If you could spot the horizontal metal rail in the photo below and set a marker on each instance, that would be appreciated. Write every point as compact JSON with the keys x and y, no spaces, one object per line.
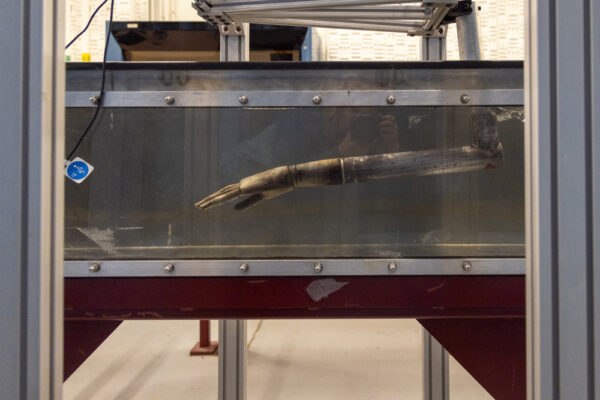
{"x":379,"y":25}
{"x":278,"y":99}
{"x":317,"y":267}
{"x":270,"y":5}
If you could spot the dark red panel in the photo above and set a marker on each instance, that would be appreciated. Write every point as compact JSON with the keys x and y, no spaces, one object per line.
{"x":491,"y":349}
{"x":294,"y":297}
{"x":81,"y":338}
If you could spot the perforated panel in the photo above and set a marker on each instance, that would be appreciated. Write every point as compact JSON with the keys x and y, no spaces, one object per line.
{"x":92,"y":42}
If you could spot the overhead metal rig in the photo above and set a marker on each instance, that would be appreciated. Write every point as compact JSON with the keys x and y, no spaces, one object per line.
{"x":414,"y":18}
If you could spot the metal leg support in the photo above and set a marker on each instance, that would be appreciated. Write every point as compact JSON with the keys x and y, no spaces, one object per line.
{"x":467,"y":30}
{"x":435,"y":357}
{"x":235,"y":42}
{"x":435,"y":369}
{"x":204,"y":346}
{"x":232,"y":360}
{"x":433,"y":48}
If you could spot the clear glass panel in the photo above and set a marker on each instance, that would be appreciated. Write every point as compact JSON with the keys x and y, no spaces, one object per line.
{"x":152,"y":165}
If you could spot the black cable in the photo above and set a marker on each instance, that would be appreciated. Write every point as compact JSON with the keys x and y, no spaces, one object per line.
{"x":87,"y":26}
{"x":101,"y":95}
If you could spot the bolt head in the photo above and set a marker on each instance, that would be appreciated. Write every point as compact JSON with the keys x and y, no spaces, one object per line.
{"x":317,"y":100}
{"x":466,"y":266}
{"x":244,"y":267}
{"x":170,"y":100}
{"x":94,"y":267}
{"x":318,"y":267}
{"x":392,"y":266}
{"x":169,"y":267}
{"x":94,"y":100}
{"x":465,"y":98}
{"x":243,"y":99}
{"x":391,"y":99}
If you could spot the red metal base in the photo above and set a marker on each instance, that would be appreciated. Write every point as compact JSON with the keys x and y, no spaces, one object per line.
{"x":81,"y":338}
{"x":198,"y":350}
{"x":491,"y":349}
{"x":204,"y":346}
{"x":478,"y":319}
{"x":290,"y":297}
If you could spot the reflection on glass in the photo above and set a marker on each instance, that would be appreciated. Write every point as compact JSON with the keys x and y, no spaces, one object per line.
{"x":152,"y":165}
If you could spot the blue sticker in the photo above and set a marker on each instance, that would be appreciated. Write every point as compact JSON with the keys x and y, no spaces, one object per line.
{"x":77,"y":170}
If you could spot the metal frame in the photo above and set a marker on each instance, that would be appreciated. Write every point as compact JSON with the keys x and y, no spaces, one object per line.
{"x":467,"y":31}
{"x":271,"y":98}
{"x":328,"y":267}
{"x":436,"y":373}
{"x":436,"y":369}
{"x":433,"y":48}
{"x":563,"y":199}
{"x":408,"y":16}
{"x":31,"y":202}
{"x":234,"y":42}
{"x":232,"y":359}
{"x":233,"y":348}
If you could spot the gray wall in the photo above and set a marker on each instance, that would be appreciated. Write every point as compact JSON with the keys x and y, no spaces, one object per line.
{"x":563,"y":199}
{"x":31,"y":191}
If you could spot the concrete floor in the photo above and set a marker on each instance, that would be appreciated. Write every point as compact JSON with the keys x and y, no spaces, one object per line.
{"x":287,"y":359}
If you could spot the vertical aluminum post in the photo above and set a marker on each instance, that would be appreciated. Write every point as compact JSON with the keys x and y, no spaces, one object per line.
{"x":433,"y":48}
{"x":467,"y":30}
{"x":435,"y":357}
{"x":31,"y":200}
{"x":436,"y":385}
{"x":235,"y":42}
{"x":232,"y":360}
{"x":562,"y":150}
{"x":232,"y":333}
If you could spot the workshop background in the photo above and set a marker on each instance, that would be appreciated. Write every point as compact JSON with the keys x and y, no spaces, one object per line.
{"x":498,"y":42}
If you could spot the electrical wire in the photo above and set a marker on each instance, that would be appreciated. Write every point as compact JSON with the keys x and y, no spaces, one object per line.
{"x":88,"y":24}
{"x":101,"y":95}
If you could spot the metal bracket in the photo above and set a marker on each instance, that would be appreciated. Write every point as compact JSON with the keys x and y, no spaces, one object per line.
{"x":440,"y":32}
{"x":232,"y":29}
{"x":204,"y":9}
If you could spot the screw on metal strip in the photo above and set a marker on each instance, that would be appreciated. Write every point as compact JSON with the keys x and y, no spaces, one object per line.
{"x":169,"y":267}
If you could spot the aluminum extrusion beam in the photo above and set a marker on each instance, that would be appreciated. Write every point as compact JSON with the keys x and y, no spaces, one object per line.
{"x":31,"y":201}
{"x":436,"y":369}
{"x":232,"y":359}
{"x":562,"y":166}
{"x":232,"y":333}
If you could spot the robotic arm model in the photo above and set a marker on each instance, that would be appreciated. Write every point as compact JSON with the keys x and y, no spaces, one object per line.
{"x":484,"y":152}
